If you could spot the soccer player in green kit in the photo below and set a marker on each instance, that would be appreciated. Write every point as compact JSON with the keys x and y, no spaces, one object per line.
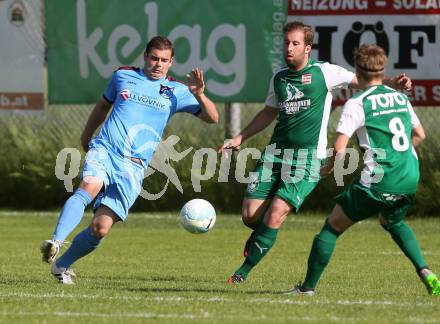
{"x":387,"y":130}
{"x":300,"y":98}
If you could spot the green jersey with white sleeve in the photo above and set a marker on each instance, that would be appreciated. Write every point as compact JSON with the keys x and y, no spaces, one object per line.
{"x":383,"y":119}
{"x":304,"y":99}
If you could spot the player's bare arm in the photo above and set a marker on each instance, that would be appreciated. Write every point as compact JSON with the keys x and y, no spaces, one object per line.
{"x":339,"y":147}
{"x":196,"y":85}
{"x":260,"y":122}
{"x":418,"y":135}
{"x":96,"y":118}
{"x":400,"y":82}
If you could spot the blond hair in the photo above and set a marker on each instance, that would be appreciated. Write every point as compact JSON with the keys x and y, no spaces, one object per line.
{"x":370,"y":61}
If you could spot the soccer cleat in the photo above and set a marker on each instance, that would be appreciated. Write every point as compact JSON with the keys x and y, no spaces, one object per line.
{"x":63,"y":275}
{"x":235,"y":279}
{"x":248,"y":244}
{"x":49,"y":250}
{"x":432,"y":283}
{"x":299,"y":290}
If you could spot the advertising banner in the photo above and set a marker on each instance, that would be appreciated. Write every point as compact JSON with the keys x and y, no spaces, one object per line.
{"x":408,"y":30}
{"x":21,"y":56}
{"x":237,"y":44}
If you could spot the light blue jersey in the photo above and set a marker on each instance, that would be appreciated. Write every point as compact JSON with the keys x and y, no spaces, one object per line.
{"x":141,"y":110}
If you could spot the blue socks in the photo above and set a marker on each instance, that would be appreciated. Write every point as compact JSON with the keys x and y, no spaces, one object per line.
{"x":84,"y":243}
{"x":71,"y":214}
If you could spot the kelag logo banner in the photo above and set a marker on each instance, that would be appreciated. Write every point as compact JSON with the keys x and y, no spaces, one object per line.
{"x":237,"y":44}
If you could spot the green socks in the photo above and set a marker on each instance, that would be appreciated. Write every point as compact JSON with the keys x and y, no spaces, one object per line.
{"x":320,"y":254}
{"x":404,"y":237}
{"x":324,"y":244}
{"x":261,"y":243}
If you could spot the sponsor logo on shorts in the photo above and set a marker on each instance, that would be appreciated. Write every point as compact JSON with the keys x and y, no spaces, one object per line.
{"x":253,"y":183}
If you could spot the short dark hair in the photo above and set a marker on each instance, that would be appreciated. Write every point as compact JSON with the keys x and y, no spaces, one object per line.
{"x":161,"y":43}
{"x":298,"y":25}
{"x":370,"y":61}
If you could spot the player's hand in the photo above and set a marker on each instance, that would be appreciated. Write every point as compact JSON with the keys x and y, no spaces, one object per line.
{"x":325,"y":170}
{"x":195,"y":82}
{"x":403,"y":82}
{"x":230,"y":144}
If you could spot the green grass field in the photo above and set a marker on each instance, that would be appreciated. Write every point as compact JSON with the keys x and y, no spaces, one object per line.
{"x":150,"y":269}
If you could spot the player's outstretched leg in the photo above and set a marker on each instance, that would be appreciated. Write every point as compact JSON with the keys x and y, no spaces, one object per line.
{"x":252,"y":216}
{"x":322,"y":250}
{"x":264,"y":237}
{"x":262,"y":241}
{"x":431,"y":281}
{"x":83,"y":243}
{"x":405,"y":238}
{"x":320,"y":254}
{"x":70,"y":217}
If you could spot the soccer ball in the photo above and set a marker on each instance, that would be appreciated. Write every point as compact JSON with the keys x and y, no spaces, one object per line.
{"x":197,"y":216}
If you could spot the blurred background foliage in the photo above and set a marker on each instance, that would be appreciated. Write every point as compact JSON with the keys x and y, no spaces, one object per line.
{"x":31,"y":142}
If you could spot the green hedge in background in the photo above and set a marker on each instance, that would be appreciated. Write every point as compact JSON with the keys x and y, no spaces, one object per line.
{"x":30,"y":146}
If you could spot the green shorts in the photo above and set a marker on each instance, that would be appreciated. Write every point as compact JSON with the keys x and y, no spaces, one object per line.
{"x":293,"y":184}
{"x":359,"y":202}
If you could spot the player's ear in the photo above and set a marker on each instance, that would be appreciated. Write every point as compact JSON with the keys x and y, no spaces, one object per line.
{"x":308,"y":49}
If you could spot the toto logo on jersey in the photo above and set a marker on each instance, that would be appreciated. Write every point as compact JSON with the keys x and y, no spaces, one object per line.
{"x":125,"y":94}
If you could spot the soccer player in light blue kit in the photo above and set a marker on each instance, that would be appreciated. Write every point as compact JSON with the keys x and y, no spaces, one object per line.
{"x":143,"y":101}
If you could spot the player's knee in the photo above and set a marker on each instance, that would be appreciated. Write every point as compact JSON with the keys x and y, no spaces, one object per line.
{"x":275,"y":219}
{"x":276,"y":215}
{"x":100,"y":231}
{"x":246,"y":217}
{"x":92,"y":186}
{"x":249,"y":215}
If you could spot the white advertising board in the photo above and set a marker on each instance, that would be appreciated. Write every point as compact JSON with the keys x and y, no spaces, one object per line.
{"x":21,"y":55}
